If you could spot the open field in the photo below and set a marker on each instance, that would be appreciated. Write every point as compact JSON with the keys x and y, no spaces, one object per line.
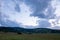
{"x":15,"y":36}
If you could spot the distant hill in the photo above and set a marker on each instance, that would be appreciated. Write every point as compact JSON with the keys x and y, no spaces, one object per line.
{"x":28,"y":31}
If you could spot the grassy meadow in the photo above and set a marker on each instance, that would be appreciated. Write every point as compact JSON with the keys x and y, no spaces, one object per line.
{"x":15,"y":36}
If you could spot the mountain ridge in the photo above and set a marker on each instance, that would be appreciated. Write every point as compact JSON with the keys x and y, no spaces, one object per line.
{"x":28,"y":31}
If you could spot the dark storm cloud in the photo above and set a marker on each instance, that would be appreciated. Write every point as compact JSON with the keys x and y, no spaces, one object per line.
{"x":17,"y":8}
{"x":44,"y":24}
{"x":39,"y":7}
{"x":8,"y":23}
{"x":50,"y":13}
{"x":17,"y":5}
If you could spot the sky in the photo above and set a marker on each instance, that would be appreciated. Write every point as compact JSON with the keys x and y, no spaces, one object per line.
{"x":30,"y":13}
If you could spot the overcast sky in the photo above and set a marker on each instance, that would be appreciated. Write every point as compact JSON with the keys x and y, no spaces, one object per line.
{"x":30,"y":13}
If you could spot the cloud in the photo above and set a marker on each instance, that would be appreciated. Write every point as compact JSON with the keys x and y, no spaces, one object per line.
{"x":38,"y":6}
{"x":30,"y":13}
{"x":43,"y":23}
{"x":56,"y":27}
{"x":23,"y":17}
{"x":0,"y":25}
{"x":50,"y":12}
{"x":56,"y":21}
{"x":8,"y":23}
{"x":17,"y":8}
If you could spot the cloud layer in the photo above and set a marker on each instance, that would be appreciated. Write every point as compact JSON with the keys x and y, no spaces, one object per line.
{"x":30,"y":13}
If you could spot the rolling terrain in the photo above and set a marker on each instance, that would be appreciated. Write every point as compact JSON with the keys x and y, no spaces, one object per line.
{"x":16,"y":33}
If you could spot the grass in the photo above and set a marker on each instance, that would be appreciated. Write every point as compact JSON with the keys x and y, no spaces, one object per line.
{"x":14,"y":36}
